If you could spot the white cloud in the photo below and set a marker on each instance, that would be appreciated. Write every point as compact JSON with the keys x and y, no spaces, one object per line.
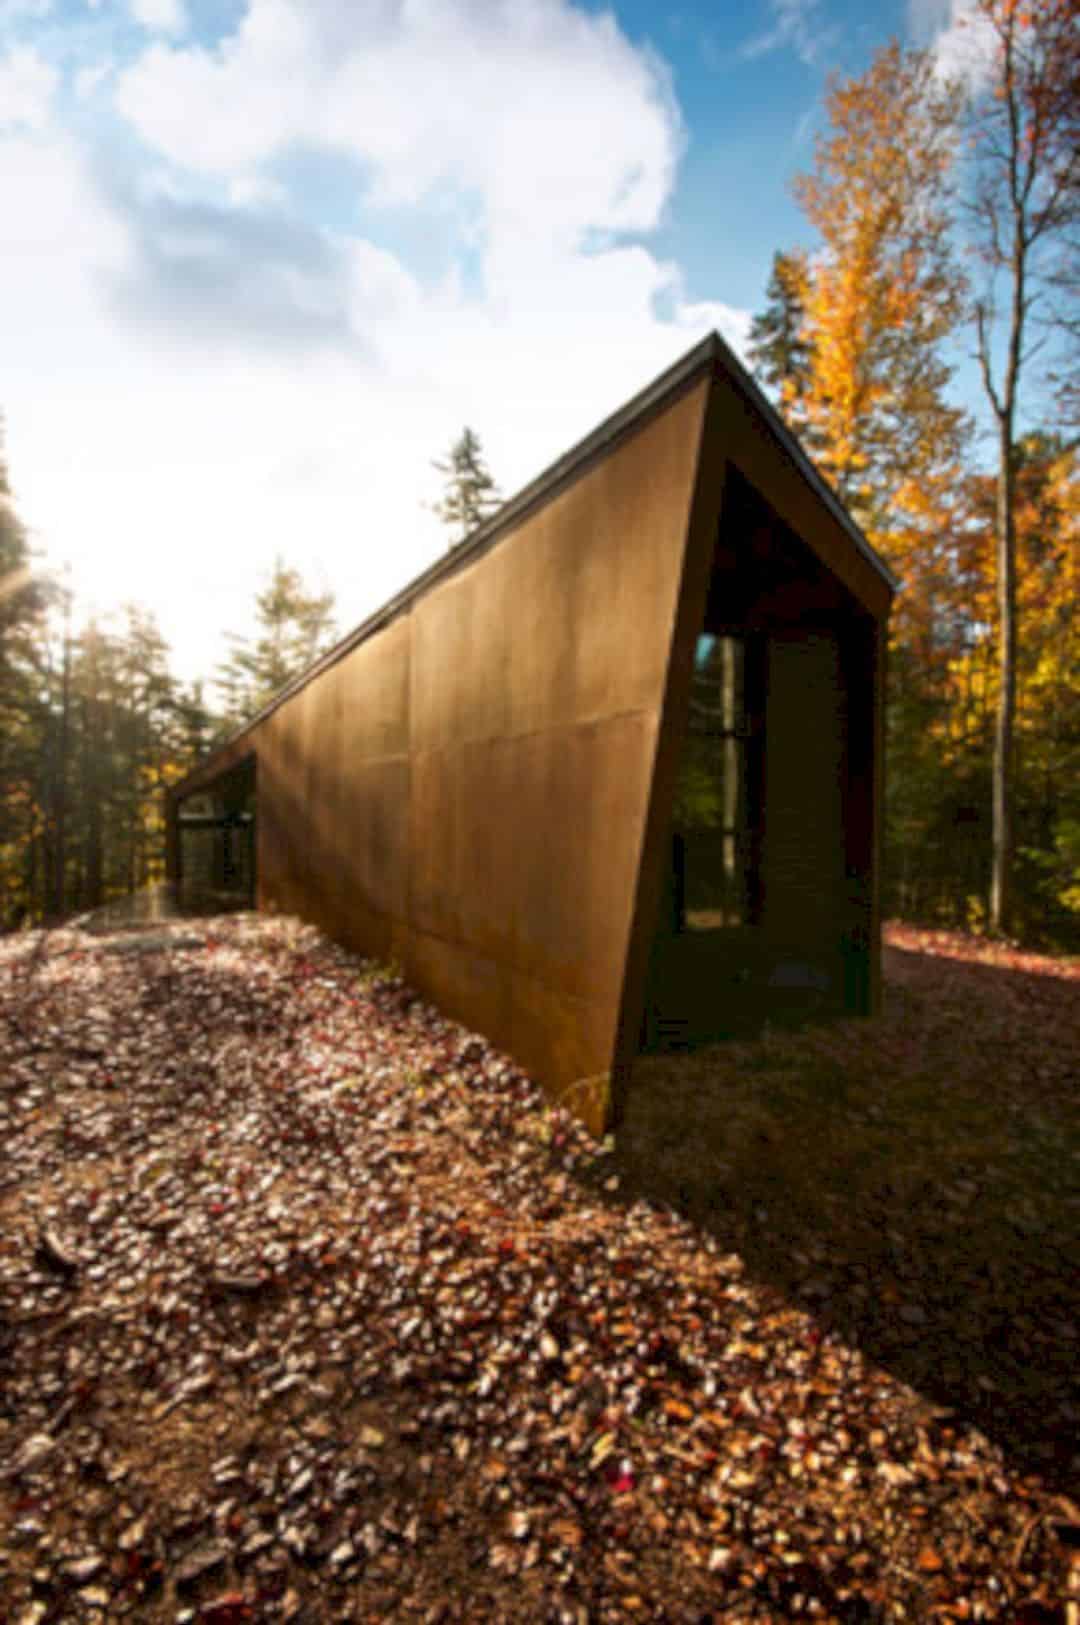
{"x":255,"y":191}
{"x":547,"y":114}
{"x":961,"y":40}
{"x":88,"y":79}
{"x":160,"y":16}
{"x":18,"y":10}
{"x":798,"y":26}
{"x":732,"y":324}
{"x":27,"y":87}
{"x":200,"y":373}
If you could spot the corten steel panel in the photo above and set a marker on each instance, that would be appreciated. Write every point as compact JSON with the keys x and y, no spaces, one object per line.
{"x":280,"y":814}
{"x":489,"y":844}
{"x":332,"y":801}
{"x":600,"y":575}
{"x":371,"y":847}
{"x":298,"y":897}
{"x":318,"y":725}
{"x":375,"y":693}
{"x":469,"y":985}
{"x":370,"y":856}
{"x":566,"y":1041}
{"x":529,"y":846}
{"x":461,"y":634}
{"x":436,"y":809}
{"x":572,"y":889}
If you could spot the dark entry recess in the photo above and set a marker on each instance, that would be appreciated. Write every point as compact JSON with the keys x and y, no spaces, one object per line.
{"x":764,"y":913}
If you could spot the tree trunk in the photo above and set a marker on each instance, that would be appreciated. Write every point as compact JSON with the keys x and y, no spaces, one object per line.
{"x":1001,"y":867}
{"x":58,"y":889}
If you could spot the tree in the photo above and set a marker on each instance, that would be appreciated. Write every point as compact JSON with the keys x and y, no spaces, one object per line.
{"x":25,"y":595}
{"x":1046,"y":816}
{"x":294,"y":625}
{"x":1025,"y":125}
{"x":90,"y":732}
{"x":779,"y":344}
{"x":470,"y":495}
{"x":882,"y":295}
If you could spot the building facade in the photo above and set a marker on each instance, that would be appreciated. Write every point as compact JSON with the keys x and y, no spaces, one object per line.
{"x":608,"y":774}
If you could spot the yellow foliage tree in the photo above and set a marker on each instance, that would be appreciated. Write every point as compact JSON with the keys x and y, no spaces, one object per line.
{"x":882,"y":294}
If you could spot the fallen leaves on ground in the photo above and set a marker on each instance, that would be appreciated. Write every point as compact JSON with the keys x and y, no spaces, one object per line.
{"x":311,"y":1309}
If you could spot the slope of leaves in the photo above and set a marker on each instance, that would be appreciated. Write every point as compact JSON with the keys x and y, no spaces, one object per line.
{"x":311,"y":1309}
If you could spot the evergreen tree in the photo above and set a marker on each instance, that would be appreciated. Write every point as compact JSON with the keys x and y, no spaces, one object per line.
{"x":195,"y":724}
{"x":779,"y":344}
{"x":92,"y":729}
{"x":471,"y":495}
{"x":294,"y":626}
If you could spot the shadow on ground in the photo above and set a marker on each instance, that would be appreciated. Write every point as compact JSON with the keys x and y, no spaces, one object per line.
{"x":915,"y":1180}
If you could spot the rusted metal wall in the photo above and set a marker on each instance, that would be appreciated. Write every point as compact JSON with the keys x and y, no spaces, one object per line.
{"x":466,"y":789}
{"x":479,"y":786}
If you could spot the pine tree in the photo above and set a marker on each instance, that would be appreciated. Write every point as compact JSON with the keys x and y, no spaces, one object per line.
{"x":194,"y":722}
{"x":294,"y":627}
{"x":779,"y":344}
{"x":470,"y":495}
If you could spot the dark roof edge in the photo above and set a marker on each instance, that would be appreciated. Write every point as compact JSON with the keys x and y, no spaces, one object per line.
{"x":676,"y":378}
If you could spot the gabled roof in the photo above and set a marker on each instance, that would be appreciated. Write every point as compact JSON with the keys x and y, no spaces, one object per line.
{"x":710,"y":353}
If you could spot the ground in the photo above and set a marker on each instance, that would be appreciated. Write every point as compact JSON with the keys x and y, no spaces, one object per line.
{"x":310,"y":1309}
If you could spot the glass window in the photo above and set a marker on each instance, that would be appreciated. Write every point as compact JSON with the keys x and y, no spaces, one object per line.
{"x":710,"y":823}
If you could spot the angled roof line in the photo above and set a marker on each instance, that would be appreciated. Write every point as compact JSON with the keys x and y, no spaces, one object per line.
{"x":697,"y":361}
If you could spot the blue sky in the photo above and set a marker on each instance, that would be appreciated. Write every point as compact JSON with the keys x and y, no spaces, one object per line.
{"x":260,"y":261}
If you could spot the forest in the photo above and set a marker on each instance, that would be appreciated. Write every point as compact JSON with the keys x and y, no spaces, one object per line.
{"x":940,"y":225}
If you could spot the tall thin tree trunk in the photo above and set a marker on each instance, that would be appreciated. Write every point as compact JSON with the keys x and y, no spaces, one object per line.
{"x":59,"y":892}
{"x":1001,"y":869}
{"x":1002,"y":789}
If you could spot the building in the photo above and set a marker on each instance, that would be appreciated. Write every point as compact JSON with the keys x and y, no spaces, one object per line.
{"x":608,"y":775}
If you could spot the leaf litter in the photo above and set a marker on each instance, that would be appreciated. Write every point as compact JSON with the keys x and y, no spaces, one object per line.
{"x":311,"y":1308}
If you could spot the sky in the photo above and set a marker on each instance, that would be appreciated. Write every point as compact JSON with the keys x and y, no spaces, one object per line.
{"x":261,"y":260}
